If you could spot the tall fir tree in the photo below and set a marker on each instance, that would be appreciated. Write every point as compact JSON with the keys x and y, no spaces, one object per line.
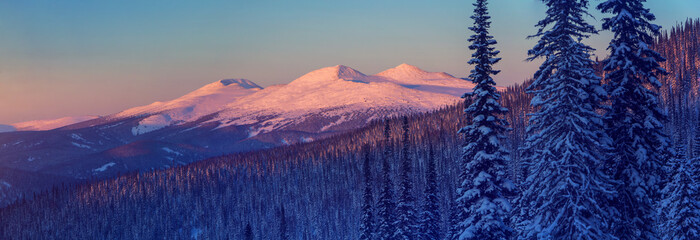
{"x":387,"y":206}
{"x":406,"y":225}
{"x":566,"y":192}
{"x":681,"y":206}
{"x":367,"y":227}
{"x":635,"y":119}
{"x":484,"y":184}
{"x":430,"y":217}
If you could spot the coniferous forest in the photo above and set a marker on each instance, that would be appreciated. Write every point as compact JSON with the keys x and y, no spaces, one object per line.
{"x":585,"y":149}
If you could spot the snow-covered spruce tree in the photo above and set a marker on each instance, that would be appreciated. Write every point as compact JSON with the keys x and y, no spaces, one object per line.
{"x":387,"y":206}
{"x":635,"y":120}
{"x":484,"y":184}
{"x":566,"y":191}
{"x":430,"y":217}
{"x":407,"y":224}
{"x":367,"y":222}
{"x":680,"y":205}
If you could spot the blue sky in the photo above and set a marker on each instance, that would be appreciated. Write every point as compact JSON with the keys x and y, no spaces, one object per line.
{"x":69,"y":57}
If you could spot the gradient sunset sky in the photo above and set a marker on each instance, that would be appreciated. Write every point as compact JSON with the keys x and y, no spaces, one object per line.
{"x":77,"y":57}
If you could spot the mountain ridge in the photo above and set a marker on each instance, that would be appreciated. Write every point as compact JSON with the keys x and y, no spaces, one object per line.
{"x":225,"y":116}
{"x":403,"y":74}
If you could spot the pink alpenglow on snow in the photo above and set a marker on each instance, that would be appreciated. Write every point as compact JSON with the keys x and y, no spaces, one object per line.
{"x":50,"y":124}
{"x":343,"y":91}
{"x":332,"y":91}
{"x":194,"y":105}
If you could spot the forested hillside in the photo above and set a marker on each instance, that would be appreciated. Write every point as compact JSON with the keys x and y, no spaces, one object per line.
{"x":318,"y":183}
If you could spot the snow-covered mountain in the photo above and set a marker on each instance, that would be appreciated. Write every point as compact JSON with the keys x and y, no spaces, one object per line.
{"x":229,"y":115}
{"x":194,"y":105}
{"x":341,"y":94}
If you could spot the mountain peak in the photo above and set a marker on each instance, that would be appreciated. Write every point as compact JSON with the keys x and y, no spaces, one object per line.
{"x":329,"y":74}
{"x":232,"y":84}
{"x":344,"y":72}
{"x":402,"y":70}
{"x":406,"y":71}
{"x":244,"y":83}
{"x":195,"y":104}
{"x":407,"y":67}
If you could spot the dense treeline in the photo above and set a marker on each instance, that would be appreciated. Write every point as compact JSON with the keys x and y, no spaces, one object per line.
{"x":518,"y":103}
{"x":680,"y":89}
